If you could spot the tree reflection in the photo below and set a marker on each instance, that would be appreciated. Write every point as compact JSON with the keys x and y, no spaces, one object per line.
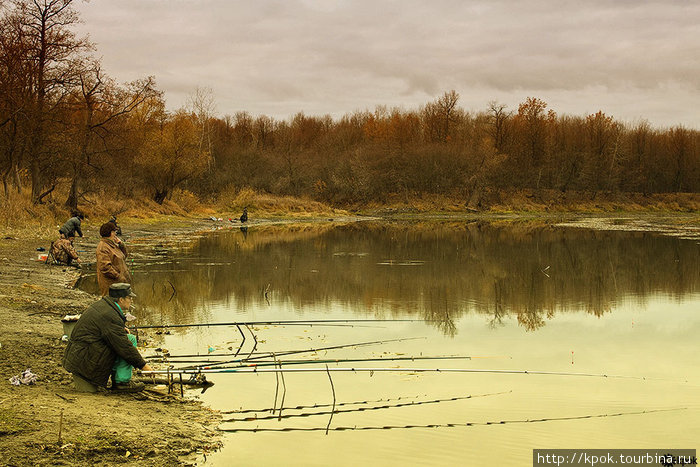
{"x":435,"y":271}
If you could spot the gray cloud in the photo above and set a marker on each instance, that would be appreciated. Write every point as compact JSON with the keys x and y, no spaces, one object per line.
{"x":280,"y":57}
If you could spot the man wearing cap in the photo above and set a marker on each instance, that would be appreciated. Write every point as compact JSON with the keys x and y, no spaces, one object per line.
{"x":100,"y":346}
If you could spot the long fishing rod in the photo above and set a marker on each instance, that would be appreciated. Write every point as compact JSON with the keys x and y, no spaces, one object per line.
{"x":204,"y":363}
{"x":204,"y":325}
{"x":295,"y":352}
{"x":191,"y":358}
{"x":316,"y":406}
{"x":448,"y":425}
{"x":263,"y":363}
{"x":384,"y":369}
{"x":362,"y":409}
{"x":310,"y":322}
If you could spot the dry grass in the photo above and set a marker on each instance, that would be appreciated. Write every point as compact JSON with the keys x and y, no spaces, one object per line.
{"x":19,"y":217}
{"x":262,"y":204}
{"x":22,"y":218}
{"x":539,"y":201}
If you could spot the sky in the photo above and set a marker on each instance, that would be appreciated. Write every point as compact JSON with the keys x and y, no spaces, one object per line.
{"x":633,"y":59}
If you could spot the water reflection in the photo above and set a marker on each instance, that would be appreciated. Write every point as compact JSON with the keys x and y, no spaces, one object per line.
{"x":433,"y":271}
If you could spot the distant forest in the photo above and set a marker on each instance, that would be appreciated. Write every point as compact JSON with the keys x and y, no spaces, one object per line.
{"x":65,"y":123}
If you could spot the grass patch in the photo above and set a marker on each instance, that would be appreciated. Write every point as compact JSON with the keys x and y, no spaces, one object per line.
{"x":10,"y":423}
{"x":263,"y":204}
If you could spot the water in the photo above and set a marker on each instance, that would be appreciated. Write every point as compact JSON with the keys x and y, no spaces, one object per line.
{"x":513,"y":296}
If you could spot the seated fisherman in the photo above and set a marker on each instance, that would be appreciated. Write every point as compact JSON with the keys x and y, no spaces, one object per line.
{"x":100,"y":346}
{"x":63,"y":251}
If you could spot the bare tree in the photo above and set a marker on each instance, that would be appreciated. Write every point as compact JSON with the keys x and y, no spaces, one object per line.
{"x":203,"y":105}
{"x":53,"y":52}
{"x":98,"y":104}
{"x":498,"y":118}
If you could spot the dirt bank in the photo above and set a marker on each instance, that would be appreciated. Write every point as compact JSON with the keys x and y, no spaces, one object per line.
{"x":96,"y":428}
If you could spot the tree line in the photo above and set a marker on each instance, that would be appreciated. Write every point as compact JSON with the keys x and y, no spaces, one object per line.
{"x":65,"y":123}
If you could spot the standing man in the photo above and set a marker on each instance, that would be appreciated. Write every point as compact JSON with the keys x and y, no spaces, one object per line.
{"x":100,"y":347}
{"x":72,"y":225}
{"x":111,"y":259}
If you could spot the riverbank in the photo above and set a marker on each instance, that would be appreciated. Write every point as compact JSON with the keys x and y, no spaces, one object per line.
{"x":23,"y":218}
{"x":49,"y":423}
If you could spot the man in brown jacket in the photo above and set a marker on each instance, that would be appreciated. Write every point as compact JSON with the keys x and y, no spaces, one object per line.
{"x":111,"y":259}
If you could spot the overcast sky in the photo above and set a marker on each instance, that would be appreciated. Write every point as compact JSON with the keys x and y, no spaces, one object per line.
{"x":633,"y":59}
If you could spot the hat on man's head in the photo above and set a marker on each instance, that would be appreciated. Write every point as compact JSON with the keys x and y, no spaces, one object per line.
{"x":107,"y":228}
{"x":120,"y":290}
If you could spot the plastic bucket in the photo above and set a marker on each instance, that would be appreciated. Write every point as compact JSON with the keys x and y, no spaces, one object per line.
{"x":68,"y":327}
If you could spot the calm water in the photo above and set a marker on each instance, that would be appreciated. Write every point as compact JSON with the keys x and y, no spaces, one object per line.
{"x":512,"y":296}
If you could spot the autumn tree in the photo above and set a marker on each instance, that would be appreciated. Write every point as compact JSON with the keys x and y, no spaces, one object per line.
{"x":533,"y":121}
{"x":499,"y":119}
{"x":640,"y":140}
{"x":95,"y":111}
{"x":171,"y":155}
{"x":683,"y":159}
{"x":14,"y":98}
{"x":438,"y":117}
{"x":603,"y":150}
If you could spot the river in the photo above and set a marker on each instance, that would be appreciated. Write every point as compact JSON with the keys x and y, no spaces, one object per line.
{"x":614,"y":313}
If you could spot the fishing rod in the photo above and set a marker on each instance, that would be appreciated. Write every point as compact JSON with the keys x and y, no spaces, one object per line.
{"x":384,"y":369}
{"x":187,"y":358}
{"x":282,"y":323}
{"x":449,"y":425}
{"x":295,"y":352}
{"x":361,"y":409}
{"x":177,"y":360}
{"x":204,"y":325}
{"x":316,"y":406}
{"x":262,"y":363}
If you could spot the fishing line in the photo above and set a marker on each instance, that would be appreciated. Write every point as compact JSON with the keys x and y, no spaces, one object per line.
{"x":294,"y":352}
{"x":283,"y":352}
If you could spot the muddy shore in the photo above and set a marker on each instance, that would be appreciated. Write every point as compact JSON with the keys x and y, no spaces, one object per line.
{"x":50,"y":423}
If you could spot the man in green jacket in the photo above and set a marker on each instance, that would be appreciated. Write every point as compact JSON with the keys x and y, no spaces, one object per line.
{"x":100,"y":347}
{"x":72,"y":225}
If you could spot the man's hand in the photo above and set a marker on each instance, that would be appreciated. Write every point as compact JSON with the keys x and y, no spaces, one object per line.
{"x":147,"y":367}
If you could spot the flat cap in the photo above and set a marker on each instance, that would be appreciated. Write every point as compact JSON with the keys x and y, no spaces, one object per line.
{"x":121,"y":289}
